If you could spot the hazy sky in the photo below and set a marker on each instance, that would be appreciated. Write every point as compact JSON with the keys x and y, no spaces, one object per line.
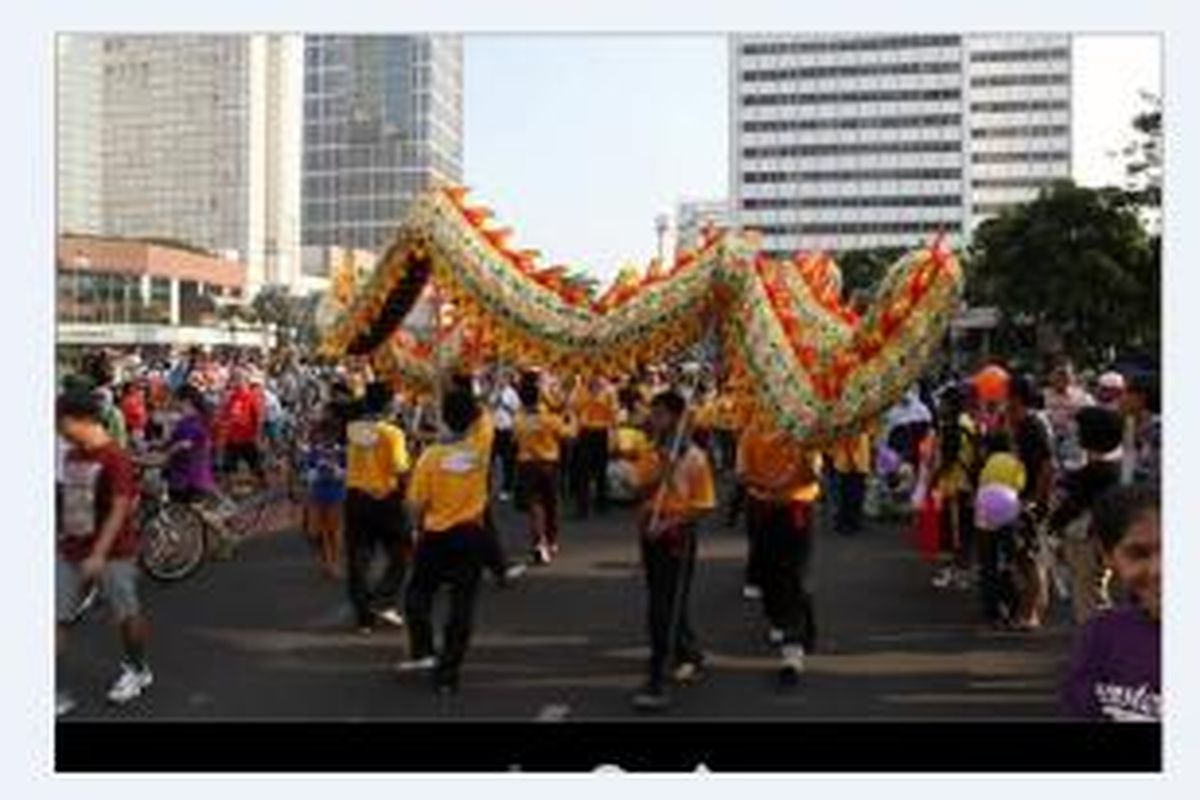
{"x":577,"y":142}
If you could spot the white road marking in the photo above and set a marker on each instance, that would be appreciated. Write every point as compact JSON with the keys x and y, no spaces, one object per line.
{"x":555,"y":712}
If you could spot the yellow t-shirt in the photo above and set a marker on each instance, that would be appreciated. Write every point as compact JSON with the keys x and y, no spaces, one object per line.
{"x":450,"y":482}
{"x":538,"y":435}
{"x":376,"y":456}
{"x":763,"y":456}
{"x":688,"y":492}
{"x":596,"y":410}
{"x":705,"y":415}
{"x":853,"y":455}
{"x":1005,"y":469}
{"x":956,"y":477}
{"x":482,"y":432}
{"x":630,"y":443}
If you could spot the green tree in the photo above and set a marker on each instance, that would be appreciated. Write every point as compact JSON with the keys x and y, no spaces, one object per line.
{"x":1143,"y":155}
{"x":862,"y":269}
{"x":1075,"y":266}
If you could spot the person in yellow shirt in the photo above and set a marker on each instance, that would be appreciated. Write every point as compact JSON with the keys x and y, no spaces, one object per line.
{"x":783,"y":484}
{"x":539,"y":433}
{"x":447,"y":498}
{"x":851,"y":461}
{"x":376,"y":463}
{"x":676,"y":482}
{"x":595,"y":407}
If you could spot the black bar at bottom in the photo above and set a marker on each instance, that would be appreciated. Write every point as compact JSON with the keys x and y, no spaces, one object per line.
{"x":574,"y":747}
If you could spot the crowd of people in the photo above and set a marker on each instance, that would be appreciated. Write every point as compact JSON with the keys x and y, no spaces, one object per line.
{"x":1016,"y":489}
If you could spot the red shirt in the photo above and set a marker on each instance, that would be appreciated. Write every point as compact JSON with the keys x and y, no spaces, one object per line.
{"x":91,"y":480}
{"x":241,"y":418}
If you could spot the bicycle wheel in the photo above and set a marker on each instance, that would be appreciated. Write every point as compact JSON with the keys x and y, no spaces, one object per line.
{"x":247,"y":516}
{"x":173,"y":543}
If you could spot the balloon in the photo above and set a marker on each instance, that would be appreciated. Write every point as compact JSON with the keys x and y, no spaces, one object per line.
{"x":887,"y":461}
{"x":991,"y":384}
{"x":996,"y":506}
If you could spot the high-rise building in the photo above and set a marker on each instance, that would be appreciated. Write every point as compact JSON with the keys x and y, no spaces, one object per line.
{"x":200,"y":143}
{"x":382,"y":123}
{"x":857,"y":141}
{"x":693,"y":216}
{"x":78,"y":90}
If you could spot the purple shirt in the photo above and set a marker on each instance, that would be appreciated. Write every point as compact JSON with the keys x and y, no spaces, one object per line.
{"x":1115,"y":671}
{"x":191,"y":469}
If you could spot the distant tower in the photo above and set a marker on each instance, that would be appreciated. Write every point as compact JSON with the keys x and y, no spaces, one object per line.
{"x":662,"y":224}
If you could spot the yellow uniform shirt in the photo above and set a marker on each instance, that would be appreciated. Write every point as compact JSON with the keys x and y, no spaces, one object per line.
{"x":482,"y":432}
{"x":853,"y":455}
{"x":376,"y":457}
{"x":688,"y":491}
{"x":596,"y":410}
{"x":763,"y":456}
{"x":705,"y":415}
{"x":538,"y":435}
{"x":450,"y":483}
{"x":630,"y":443}
{"x":1005,"y":469}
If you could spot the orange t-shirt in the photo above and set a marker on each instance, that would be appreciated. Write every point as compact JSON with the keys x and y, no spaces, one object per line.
{"x":763,"y":456}
{"x":538,"y":435}
{"x":689,"y":490}
{"x":596,"y":410}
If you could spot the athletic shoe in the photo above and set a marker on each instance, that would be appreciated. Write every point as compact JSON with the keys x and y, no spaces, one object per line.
{"x":63,"y":704}
{"x":651,"y":698}
{"x":688,"y":671}
{"x":751,"y":592}
{"x":391,"y":616}
{"x":540,"y":556}
{"x":130,"y":685}
{"x":505,"y":497}
{"x":793,"y":664}
{"x":775,"y":636}
{"x":941,"y":579}
{"x":514,"y":571}
{"x":417,"y":664}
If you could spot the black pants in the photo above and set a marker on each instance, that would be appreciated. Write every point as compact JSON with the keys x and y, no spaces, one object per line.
{"x":754,"y":536}
{"x":504,"y":449}
{"x":492,"y":554}
{"x":372,"y":523}
{"x":851,"y":491}
{"x":452,"y":557}
{"x":785,"y":549}
{"x":592,"y":469}
{"x":737,"y":503}
{"x":997,"y":591}
{"x":668,"y":563}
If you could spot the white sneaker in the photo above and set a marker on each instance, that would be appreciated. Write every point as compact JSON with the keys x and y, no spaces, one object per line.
{"x":417,"y":664}
{"x":793,"y":659}
{"x":775,"y":636}
{"x":941,"y":579}
{"x":391,"y":616}
{"x":505,"y":497}
{"x":130,"y":684}
{"x":63,"y":704}
{"x":514,"y":571}
{"x":750,"y":592}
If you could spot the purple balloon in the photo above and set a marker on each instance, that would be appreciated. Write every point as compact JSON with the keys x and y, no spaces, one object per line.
{"x":887,"y":461}
{"x":996,"y":506}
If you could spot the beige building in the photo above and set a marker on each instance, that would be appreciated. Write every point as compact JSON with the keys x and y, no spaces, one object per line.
{"x":199,"y":141}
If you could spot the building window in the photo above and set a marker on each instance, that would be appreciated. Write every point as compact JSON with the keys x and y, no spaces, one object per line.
{"x":1020,"y":157}
{"x":1020,"y":131}
{"x":1045,"y":54}
{"x":853,"y":175}
{"x":1010,"y":106}
{"x":855,"y":201}
{"x":845,"y":228}
{"x":851,"y":70}
{"x":787,"y":151}
{"x":875,"y":96}
{"x":843,"y":45}
{"x":853,"y":123}
{"x":1021,"y":80}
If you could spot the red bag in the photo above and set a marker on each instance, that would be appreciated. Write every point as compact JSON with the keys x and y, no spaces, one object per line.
{"x":927,"y":527}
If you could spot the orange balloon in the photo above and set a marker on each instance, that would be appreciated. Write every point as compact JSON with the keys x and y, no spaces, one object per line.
{"x":991,"y":383}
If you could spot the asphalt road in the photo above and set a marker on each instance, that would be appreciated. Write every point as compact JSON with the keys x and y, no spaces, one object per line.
{"x":266,"y":636}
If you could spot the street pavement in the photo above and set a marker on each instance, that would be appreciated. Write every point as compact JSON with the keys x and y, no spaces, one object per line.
{"x":266,"y":636}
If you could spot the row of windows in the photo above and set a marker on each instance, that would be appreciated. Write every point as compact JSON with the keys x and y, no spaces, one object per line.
{"x":844,"y":45}
{"x":856,"y":201}
{"x":877,"y":96}
{"x":1012,"y":183}
{"x":1040,"y":54}
{"x":867,"y":148}
{"x":991,"y":208}
{"x":854,"y":175}
{"x":916,"y":226}
{"x":1010,"y":158}
{"x":1006,"y":106}
{"x":850,"y":70}
{"x":853,"y":123}
{"x":1020,"y":131}
{"x":1021,"y":80}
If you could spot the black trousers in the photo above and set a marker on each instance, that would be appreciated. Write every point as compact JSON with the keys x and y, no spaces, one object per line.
{"x":452,"y":557}
{"x":504,"y":449}
{"x":591,"y":473}
{"x":374,"y":524}
{"x":754,"y":536}
{"x":997,"y":590}
{"x":492,"y":554}
{"x":785,"y":549}
{"x":668,"y":563}
{"x":851,"y":491}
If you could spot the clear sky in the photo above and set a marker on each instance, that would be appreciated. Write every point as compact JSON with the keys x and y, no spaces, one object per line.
{"x":578,"y":141}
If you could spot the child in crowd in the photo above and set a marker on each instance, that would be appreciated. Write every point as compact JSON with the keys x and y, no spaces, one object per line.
{"x":325,"y":466}
{"x":1003,"y":474}
{"x":1115,"y":668}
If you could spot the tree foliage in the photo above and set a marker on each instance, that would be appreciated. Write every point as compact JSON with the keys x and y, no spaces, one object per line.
{"x":1076,"y":266}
